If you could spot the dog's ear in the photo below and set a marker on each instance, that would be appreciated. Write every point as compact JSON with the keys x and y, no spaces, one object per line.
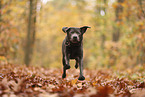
{"x":64,"y":29}
{"x":84,"y":28}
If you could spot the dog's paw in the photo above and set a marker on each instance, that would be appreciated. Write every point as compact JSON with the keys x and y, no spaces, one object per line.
{"x":67,"y":66}
{"x":76,"y":66}
{"x":81,"y":78}
{"x":63,"y":75}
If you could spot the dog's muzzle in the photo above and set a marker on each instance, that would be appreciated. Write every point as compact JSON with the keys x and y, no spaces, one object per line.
{"x":74,"y":39}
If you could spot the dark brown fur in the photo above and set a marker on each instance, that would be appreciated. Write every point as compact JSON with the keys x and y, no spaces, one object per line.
{"x":72,"y":48}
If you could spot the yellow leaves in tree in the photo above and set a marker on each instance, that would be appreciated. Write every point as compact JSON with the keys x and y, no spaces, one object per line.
{"x":115,"y":5}
{"x":3,"y":60}
{"x":119,"y":23}
{"x":140,"y":25}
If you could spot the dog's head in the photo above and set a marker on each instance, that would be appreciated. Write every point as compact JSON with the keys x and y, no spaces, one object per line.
{"x":74,"y":34}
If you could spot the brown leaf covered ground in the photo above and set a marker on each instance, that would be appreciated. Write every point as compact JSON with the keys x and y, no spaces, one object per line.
{"x":22,"y":81}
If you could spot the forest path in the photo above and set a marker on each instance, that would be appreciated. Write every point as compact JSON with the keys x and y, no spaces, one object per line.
{"x":19,"y":80}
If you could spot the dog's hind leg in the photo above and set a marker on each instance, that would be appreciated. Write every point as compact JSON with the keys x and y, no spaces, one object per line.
{"x":77,"y":63}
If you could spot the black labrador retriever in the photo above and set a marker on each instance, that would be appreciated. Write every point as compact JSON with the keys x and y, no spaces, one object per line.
{"x":72,"y":48}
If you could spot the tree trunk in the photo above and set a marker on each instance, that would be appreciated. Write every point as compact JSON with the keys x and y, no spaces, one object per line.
{"x":118,"y":13}
{"x":31,"y":32}
{"x":103,"y":37}
{"x":142,"y":7}
{"x":141,"y":41}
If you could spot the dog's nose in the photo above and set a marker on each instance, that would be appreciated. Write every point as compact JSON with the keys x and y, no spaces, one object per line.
{"x":75,"y":37}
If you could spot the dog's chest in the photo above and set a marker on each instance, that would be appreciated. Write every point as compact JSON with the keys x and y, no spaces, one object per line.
{"x":74,"y":51}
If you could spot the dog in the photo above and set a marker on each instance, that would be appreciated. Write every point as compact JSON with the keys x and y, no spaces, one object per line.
{"x":72,"y":48}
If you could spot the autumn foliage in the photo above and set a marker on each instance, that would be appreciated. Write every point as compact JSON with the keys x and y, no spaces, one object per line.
{"x":116,"y":38}
{"x":19,"y":80}
{"x":114,"y":48}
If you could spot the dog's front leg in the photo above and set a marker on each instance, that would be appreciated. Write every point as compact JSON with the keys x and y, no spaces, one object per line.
{"x":81,"y":77}
{"x":64,"y":69}
{"x":65,"y":65}
{"x":66,"y":58}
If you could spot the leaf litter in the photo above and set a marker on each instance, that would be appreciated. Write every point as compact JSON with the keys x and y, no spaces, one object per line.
{"x":22,"y":81}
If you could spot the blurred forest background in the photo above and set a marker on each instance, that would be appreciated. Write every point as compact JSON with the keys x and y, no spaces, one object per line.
{"x":30,"y":31}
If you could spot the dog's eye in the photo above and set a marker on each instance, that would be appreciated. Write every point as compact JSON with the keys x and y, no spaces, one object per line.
{"x":77,"y":32}
{"x":72,"y":32}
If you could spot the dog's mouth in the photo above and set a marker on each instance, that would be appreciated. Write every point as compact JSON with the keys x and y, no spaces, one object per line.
{"x":74,"y":40}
